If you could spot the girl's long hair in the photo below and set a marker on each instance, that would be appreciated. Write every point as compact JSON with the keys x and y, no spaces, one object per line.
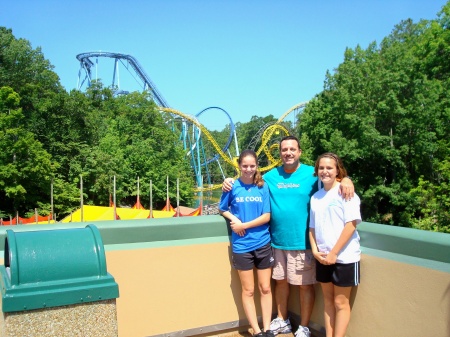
{"x":257,"y":178}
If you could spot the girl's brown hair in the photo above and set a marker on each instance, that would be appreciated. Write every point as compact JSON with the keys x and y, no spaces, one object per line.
{"x":257,"y":178}
{"x":341,"y":171}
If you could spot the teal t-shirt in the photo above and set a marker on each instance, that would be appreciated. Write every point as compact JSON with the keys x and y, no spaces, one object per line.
{"x":290,"y":195}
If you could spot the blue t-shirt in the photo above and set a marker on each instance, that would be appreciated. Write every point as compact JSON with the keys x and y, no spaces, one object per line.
{"x":290,"y":195}
{"x":247,"y":202}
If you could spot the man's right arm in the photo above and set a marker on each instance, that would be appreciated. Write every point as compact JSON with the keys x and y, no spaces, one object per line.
{"x":227,"y":184}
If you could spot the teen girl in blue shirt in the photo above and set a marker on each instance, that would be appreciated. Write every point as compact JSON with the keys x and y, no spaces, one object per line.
{"x":247,"y":207}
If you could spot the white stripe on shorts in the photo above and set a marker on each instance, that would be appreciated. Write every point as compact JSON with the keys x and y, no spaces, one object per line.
{"x":356,"y":273}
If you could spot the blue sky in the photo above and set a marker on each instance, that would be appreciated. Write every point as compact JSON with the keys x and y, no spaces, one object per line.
{"x":246,"y":57}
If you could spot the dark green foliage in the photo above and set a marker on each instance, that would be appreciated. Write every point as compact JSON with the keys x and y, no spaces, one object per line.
{"x":25,"y":167}
{"x":47,"y":133}
{"x":385,"y":111}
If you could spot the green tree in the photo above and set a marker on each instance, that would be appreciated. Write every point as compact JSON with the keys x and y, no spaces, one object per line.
{"x":28,"y":73}
{"x":130,"y":139}
{"x":43,"y":114}
{"x":385,"y":111}
{"x":25,"y":167}
{"x":430,"y":202}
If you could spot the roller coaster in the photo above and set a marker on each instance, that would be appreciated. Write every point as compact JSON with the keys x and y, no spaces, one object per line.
{"x":191,"y":132}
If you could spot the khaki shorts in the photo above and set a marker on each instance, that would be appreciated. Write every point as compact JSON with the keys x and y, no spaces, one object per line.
{"x":298,"y":267}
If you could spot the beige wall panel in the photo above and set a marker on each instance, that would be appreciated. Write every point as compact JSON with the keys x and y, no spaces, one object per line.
{"x":400,"y":300}
{"x":174,"y":288}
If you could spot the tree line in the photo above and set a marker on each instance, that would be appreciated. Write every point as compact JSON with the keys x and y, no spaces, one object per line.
{"x":48,"y":134}
{"x":385,"y":110}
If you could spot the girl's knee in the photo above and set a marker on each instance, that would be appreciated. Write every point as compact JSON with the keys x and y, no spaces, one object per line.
{"x":265,"y":290}
{"x":248,"y":292}
{"x":341,"y":303}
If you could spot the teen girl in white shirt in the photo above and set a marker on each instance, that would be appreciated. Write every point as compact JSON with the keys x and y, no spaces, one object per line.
{"x":334,"y":243}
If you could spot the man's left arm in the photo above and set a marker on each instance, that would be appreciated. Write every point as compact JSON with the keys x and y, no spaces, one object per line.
{"x":347,"y":189}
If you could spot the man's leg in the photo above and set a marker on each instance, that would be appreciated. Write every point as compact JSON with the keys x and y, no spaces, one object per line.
{"x":307,"y":298}
{"x":281,"y":298}
{"x":281,"y":323}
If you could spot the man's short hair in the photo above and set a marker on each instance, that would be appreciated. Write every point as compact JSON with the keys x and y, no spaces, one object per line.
{"x":290,"y":137}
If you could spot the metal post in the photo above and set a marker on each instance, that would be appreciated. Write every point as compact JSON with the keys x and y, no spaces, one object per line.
{"x":51,"y":200}
{"x":81,"y":199}
{"x":178,"y":196}
{"x":138,"y":201}
{"x":167,"y":195}
{"x":151,"y":200}
{"x":114,"y":199}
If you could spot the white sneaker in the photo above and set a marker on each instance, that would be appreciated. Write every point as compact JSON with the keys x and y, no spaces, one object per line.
{"x":278,"y":325}
{"x":303,"y":331}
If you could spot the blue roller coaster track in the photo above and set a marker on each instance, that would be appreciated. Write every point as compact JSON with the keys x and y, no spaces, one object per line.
{"x":86,"y":64}
{"x":191,"y":129}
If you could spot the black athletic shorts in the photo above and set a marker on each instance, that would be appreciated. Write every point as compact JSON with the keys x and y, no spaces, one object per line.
{"x":261,"y":258}
{"x":340,"y":274}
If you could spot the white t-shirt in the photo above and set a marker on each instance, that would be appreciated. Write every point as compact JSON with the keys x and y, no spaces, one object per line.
{"x":329,"y":214}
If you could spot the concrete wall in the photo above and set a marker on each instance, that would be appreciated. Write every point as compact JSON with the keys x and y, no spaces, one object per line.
{"x":175,"y":279}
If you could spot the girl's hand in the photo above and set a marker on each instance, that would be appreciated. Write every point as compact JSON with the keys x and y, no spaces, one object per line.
{"x":330,"y":258}
{"x":320,"y":256}
{"x":237,"y":227}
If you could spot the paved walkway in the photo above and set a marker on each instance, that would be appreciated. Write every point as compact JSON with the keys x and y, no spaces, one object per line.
{"x":248,"y":334}
{"x":242,"y":334}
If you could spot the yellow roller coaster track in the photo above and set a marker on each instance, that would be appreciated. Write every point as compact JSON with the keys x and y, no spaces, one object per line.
{"x":276,"y":128}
